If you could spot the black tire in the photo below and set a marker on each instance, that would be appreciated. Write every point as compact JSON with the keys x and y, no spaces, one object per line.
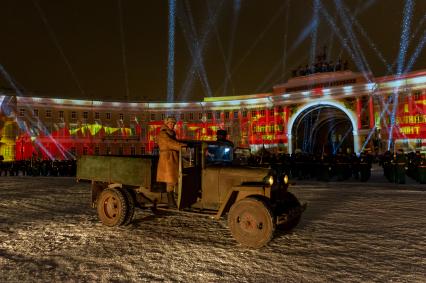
{"x":112,"y":207}
{"x":290,"y":203}
{"x":251,"y":222}
{"x":130,"y":206}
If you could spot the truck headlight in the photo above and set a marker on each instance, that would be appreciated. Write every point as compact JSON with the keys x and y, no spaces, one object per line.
{"x":285,"y":179}
{"x":270,"y":180}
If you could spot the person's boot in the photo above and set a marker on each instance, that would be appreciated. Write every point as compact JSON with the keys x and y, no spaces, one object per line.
{"x":171,"y":200}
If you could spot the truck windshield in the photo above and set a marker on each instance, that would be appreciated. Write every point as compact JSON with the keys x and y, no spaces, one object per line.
{"x":241,"y":156}
{"x":218,"y":154}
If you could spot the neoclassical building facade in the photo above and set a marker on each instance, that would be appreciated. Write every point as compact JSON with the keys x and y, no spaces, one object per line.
{"x":328,"y":112}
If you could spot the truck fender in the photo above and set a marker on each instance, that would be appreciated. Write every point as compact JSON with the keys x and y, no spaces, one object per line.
{"x":235,"y":195}
{"x":115,"y":185}
{"x":227,"y":203}
{"x":98,"y":187}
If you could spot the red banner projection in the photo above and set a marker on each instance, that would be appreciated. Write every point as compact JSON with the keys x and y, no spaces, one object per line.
{"x":411,"y":119}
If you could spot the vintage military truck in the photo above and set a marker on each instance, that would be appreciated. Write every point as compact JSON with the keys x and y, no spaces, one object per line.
{"x":255,"y":200}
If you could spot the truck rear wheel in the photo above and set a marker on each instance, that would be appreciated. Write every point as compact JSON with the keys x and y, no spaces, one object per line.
{"x":112,"y":207}
{"x":251,"y":222}
{"x":130,"y":201}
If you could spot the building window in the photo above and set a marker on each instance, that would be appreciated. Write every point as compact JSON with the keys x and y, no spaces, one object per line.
{"x":235,"y":114}
{"x":262,"y":113}
{"x":253,"y":113}
{"x":120,"y":150}
{"x":108,"y":116}
{"x":200,"y":116}
{"x":271,"y":112}
{"x":108,"y":150}
{"x":132,"y":150}
{"x":417,"y":95}
{"x":61,"y":114}
{"x":142,"y":150}
{"x":227,"y":115}
{"x":10,"y":131}
{"x":245,"y":113}
{"x":85,"y":150}
{"x":121,"y":116}
{"x":35,"y":112}
{"x":182,"y":116}
{"x":48,"y":113}
{"x":85,"y":115}
{"x":209,"y":115}
{"x":152,"y":116}
{"x":73,"y":115}
{"x":217,"y":115}
{"x":21,"y":112}
{"x":163,"y":116}
{"x":97,"y":150}
{"x":97,"y":115}
{"x":191,"y":116}
{"x":9,"y":150}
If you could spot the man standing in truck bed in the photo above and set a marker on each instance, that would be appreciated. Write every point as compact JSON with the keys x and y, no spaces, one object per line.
{"x":168,"y":164}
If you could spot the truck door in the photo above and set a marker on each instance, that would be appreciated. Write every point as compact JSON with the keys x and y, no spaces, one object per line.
{"x":189,"y":176}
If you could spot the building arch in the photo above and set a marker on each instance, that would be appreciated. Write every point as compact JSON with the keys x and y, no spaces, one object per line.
{"x":326,"y":103}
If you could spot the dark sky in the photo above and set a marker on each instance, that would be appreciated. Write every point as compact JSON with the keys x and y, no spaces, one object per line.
{"x":75,"y":48}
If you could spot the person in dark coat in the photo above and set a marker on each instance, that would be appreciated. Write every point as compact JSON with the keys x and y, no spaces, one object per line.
{"x":221,"y":137}
{"x":421,"y":169}
{"x":365,"y":162}
{"x":399,"y":167}
{"x":168,"y":163}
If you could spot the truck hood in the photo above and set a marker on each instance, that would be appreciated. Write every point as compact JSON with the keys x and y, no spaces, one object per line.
{"x":243,"y":174}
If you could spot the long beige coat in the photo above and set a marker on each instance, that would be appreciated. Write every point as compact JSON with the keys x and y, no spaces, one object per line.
{"x":168,"y":165}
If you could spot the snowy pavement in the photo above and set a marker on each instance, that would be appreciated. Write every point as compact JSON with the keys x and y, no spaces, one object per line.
{"x":350,"y":232}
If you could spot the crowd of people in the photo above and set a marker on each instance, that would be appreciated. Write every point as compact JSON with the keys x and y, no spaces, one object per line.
{"x":399,"y":165}
{"x":37,"y":167}
{"x":321,"y":65}
{"x":320,"y":167}
{"x":301,"y":166}
{"x":340,"y":167}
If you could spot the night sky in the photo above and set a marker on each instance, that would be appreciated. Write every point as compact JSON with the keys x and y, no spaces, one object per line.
{"x":118,"y":50}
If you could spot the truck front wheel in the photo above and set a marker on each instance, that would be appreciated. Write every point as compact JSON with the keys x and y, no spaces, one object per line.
{"x":112,"y":207}
{"x":251,"y":222}
{"x":292,"y":209}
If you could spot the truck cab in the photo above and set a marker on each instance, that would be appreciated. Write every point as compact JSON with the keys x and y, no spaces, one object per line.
{"x":207,"y":174}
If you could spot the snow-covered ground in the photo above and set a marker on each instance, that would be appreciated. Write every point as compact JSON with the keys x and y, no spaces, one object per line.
{"x":350,"y":232}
